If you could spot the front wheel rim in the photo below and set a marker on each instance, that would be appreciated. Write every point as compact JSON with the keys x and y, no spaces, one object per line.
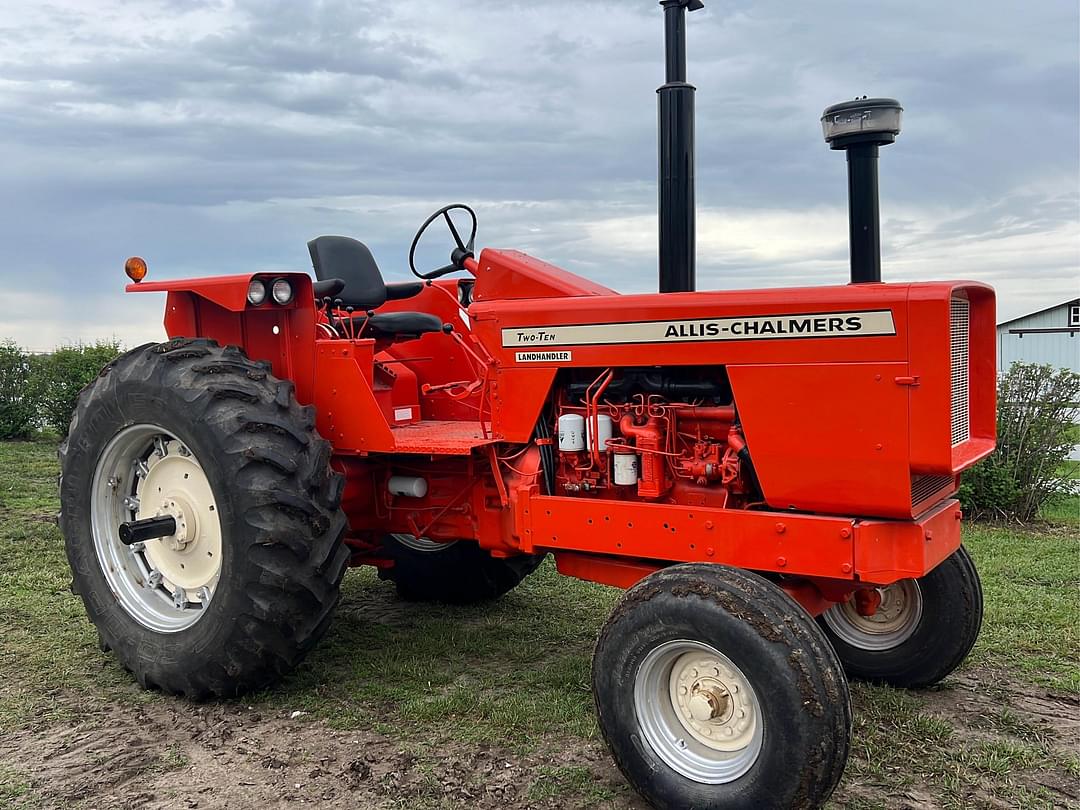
{"x":165,"y":584}
{"x":698,"y":712}
{"x":895,"y":621}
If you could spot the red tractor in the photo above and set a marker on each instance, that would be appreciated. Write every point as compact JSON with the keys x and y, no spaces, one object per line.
{"x":770,"y":474}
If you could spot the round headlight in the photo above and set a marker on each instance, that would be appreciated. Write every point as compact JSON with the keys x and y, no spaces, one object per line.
{"x":282,"y":291}
{"x":256,"y":292}
{"x":871,"y":120}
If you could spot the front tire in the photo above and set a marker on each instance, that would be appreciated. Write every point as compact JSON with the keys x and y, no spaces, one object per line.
{"x":714,"y":689}
{"x":921,"y":631}
{"x":246,"y":585}
{"x":456,"y":573}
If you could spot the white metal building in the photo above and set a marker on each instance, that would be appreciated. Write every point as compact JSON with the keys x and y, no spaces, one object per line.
{"x":1051,"y":336}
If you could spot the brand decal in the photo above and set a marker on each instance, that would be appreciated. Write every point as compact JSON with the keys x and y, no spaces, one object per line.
{"x":543,"y":357}
{"x":870,"y":323}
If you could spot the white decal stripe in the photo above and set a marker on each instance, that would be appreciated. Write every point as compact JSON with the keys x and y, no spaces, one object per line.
{"x":804,"y":325}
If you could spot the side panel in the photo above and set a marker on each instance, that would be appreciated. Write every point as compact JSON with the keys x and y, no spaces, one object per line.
{"x":821,"y":434}
{"x":345,"y":408}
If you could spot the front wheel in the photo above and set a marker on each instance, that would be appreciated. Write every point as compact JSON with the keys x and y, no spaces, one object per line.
{"x":714,"y":689}
{"x":918,"y":631}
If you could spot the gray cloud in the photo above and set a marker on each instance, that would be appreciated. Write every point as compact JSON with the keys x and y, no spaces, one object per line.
{"x":219,"y":136}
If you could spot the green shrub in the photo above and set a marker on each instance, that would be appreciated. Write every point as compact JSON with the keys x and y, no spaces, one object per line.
{"x":17,"y":409}
{"x":1037,"y":410}
{"x":59,"y":377}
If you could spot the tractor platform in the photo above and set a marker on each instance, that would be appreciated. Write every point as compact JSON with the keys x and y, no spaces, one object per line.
{"x":441,"y":437}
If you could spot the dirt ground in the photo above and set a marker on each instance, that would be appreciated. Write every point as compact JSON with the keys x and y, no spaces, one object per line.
{"x":183,"y":755}
{"x":231,"y":756}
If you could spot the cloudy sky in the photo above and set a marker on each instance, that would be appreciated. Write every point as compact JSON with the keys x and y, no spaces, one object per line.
{"x":217,"y":136}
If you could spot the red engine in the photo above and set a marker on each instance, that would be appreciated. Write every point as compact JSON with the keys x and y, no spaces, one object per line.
{"x":628,"y":441}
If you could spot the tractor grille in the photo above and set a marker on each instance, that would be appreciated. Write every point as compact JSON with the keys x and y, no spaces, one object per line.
{"x":959,"y":344}
{"x":925,"y":487}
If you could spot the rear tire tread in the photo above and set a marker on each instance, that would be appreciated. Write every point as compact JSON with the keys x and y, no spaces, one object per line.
{"x":277,"y":490}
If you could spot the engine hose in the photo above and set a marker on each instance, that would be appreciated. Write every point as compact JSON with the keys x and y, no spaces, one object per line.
{"x":547,"y":454}
{"x":751,"y":475}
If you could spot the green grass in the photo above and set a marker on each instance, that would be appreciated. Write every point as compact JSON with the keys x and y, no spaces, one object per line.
{"x":1032,"y":584}
{"x":516,"y":673}
{"x":15,"y":792}
{"x":1064,"y":508}
{"x":49,"y":646}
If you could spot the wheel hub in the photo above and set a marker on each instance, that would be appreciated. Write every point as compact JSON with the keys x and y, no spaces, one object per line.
{"x":698,"y":712}
{"x":879,"y":618}
{"x":711,"y":701}
{"x":164,"y":583}
{"x":173,"y":484}
{"x":186,"y":525}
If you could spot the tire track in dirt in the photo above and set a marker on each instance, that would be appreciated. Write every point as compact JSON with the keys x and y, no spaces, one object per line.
{"x":167,"y":753}
{"x":182,"y":755}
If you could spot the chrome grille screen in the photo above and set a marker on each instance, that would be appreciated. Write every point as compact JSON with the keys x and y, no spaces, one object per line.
{"x":959,"y":346}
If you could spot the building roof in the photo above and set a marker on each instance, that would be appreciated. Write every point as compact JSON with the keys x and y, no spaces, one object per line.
{"x":1039,"y":311}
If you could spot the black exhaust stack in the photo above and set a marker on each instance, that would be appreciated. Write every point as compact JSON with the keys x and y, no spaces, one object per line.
{"x":676,"y":116}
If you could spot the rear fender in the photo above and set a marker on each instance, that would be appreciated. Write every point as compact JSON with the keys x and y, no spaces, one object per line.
{"x":217,"y":308}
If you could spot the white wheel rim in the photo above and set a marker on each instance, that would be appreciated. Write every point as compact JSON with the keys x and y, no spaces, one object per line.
{"x":698,"y":712}
{"x":167,"y":583}
{"x":895,"y":620}
{"x":421,"y":543}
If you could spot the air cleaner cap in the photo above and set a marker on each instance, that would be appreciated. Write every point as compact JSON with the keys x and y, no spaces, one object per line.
{"x":864,"y":120}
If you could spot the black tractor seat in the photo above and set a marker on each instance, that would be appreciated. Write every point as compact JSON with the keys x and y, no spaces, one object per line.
{"x":347,"y":272}
{"x":396,"y":324}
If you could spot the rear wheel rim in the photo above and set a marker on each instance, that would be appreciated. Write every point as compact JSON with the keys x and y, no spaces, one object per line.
{"x":165,"y":584}
{"x":894,"y":622}
{"x":698,"y":712}
{"x":421,"y":544}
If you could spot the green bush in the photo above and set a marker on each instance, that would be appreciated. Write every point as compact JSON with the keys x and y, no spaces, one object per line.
{"x":59,"y":377}
{"x":1037,"y":410}
{"x":17,"y":408}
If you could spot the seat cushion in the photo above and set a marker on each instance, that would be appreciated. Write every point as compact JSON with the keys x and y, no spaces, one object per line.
{"x":399,"y":323}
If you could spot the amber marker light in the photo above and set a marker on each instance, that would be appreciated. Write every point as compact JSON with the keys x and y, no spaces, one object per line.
{"x":135,"y":267}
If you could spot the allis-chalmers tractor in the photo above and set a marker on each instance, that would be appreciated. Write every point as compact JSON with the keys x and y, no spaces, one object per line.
{"x":769,"y":473}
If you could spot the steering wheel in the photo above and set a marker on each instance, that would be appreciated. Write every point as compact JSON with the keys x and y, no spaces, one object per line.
{"x":461,"y":251}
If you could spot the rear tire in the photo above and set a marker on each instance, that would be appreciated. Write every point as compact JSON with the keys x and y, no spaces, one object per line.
{"x":714,"y":689}
{"x":264,"y":522}
{"x":457,"y":573}
{"x":937,"y":622}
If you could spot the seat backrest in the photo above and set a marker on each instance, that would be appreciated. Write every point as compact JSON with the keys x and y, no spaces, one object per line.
{"x":351,"y":261}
